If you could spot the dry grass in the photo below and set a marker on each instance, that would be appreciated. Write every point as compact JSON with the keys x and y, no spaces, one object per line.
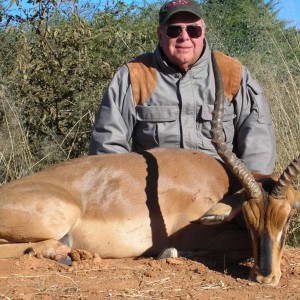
{"x":280,"y":82}
{"x":15,"y":156}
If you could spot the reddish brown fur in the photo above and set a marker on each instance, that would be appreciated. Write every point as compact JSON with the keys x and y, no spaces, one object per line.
{"x":116,"y":205}
{"x":268,"y":219}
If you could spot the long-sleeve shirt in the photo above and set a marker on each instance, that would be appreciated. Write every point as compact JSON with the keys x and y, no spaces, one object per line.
{"x":178,"y":114}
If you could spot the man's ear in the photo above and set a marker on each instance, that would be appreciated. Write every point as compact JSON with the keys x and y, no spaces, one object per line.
{"x":158,"y":31}
{"x":159,"y":35}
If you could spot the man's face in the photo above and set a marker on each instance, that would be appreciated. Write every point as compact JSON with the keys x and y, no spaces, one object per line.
{"x":182,"y":51}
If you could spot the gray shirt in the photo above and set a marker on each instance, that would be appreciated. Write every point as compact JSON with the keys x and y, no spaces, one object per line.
{"x":178,"y":114}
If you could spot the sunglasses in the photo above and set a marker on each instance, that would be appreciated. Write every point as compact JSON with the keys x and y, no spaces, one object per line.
{"x":174,"y":31}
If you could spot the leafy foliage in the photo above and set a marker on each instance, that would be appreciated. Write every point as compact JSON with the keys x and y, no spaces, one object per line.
{"x":243,"y":26}
{"x":63,"y":64}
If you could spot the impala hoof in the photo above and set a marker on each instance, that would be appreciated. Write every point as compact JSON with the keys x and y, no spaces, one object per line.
{"x":168,"y":253}
{"x":65,"y":261}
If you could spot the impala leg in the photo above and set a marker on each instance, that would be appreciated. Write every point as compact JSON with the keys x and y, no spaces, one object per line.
{"x":38,"y":217}
{"x":51,"y":249}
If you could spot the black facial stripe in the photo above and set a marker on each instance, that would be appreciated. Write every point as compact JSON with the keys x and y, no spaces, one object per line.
{"x":265,"y":245}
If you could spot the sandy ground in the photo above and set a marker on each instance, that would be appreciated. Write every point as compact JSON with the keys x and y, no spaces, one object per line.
{"x":91,"y":277}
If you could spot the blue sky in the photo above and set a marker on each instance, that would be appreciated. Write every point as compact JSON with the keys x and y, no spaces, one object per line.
{"x":289,"y":10}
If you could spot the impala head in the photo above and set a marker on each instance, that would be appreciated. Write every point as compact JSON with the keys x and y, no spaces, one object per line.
{"x":270,"y":203}
{"x":268,"y":218}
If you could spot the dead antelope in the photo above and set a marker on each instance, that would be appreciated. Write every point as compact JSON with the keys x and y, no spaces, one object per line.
{"x":137,"y":204}
{"x":267,"y":204}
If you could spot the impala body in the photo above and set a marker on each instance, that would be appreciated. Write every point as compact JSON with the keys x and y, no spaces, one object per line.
{"x":117,"y":205}
{"x":124,"y":205}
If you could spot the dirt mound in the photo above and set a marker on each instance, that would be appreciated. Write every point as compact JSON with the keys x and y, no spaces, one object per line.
{"x":91,"y":277}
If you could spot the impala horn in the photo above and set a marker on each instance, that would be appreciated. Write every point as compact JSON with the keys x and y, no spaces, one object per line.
{"x":242,"y":173}
{"x":284,"y":181}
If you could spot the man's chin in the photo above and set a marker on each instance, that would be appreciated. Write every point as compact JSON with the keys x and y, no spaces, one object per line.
{"x":184,"y":64}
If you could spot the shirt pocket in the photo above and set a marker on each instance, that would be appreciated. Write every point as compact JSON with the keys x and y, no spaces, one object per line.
{"x":204,"y":125}
{"x":256,"y":94}
{"x":157,"y":126}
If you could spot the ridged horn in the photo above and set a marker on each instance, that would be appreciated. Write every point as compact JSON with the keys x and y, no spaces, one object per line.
{"x":284,"y":181}
{"x":242,"y":173}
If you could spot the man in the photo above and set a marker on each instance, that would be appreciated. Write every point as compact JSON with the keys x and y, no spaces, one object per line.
{"x":166,"y":98}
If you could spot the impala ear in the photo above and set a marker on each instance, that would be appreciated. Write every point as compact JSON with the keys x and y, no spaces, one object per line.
{"x":218,"y":214}
{"x":224,"y":211}
{"x":297,"y":201}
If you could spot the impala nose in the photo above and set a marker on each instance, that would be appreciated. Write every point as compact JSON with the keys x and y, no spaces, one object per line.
{"x":271,"y":280}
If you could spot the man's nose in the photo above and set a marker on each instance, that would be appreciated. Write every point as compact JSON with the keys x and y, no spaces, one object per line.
{"x":184,"y":34}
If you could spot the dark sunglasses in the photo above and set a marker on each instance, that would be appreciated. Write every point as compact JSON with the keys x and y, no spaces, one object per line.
{"x":174,"y":31}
